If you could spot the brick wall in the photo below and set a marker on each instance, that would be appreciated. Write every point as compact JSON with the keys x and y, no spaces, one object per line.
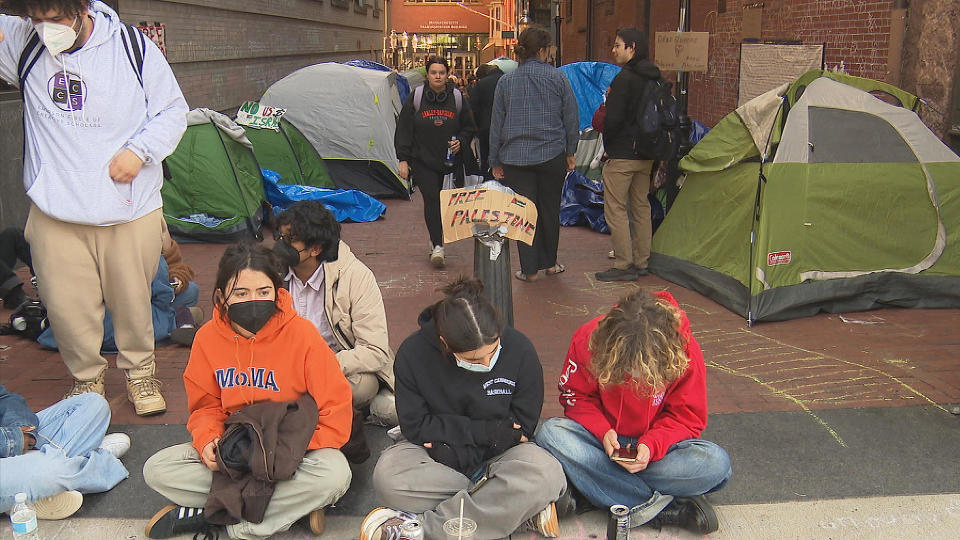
{"x":224,"y":52}
{"x":856,"y":32}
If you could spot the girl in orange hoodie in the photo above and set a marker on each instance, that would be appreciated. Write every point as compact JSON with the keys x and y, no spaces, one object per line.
{"x":254,"y":349}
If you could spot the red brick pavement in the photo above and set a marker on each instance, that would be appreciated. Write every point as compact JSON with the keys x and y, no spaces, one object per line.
{"x":891,"y":357}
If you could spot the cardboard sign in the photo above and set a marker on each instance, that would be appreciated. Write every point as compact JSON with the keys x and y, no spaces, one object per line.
{"x":157,"y":33}
{"x":682,"y":51}
{"x":461,"y":209}
{"x":254,"y":115}
{"x":752,"y":25}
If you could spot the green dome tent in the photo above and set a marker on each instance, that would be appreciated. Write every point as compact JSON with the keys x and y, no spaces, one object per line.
{"x":289,"y":154}
{"x":213,"y":191}
{"x":817,"y":196}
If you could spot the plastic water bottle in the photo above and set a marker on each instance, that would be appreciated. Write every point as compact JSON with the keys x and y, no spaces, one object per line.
{"x":23,"y":519}
{"x":448,"y":161}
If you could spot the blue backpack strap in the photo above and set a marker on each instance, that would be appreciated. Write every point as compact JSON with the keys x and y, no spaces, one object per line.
{"x":28,"y":58}
{"x":134,"y":44}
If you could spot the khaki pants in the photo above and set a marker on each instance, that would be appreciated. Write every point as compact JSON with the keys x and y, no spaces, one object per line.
{"x":381,"y":401}
{"x":626,"y":183}
{"x":322,"y":478}
{"x":81,"y":269}
{"x":521,"y":482}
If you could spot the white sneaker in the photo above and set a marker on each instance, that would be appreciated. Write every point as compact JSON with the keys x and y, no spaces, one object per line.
{"x":59,"y":506}
{"x":116,"y":443}
{"x":436,"y":257}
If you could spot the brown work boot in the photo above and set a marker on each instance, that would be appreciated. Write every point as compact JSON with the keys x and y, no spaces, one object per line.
{"x":144,"y":392}
{"x":82,"y":387}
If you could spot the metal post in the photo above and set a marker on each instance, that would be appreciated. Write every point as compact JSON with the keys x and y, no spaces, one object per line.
{"x":556,"y":21}
{"x":683,"y":80}
{"x":496,"y":277}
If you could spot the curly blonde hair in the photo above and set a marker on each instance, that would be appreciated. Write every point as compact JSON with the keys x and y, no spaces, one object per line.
{"x":640,"y":340}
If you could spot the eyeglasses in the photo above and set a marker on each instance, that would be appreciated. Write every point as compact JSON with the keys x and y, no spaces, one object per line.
{"x":288,"y":238}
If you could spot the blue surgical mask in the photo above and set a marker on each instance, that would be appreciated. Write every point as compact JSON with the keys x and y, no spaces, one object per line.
{"x":479,"y":368}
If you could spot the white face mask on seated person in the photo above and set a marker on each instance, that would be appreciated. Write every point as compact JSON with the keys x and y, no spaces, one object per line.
{"x":479,"y":360}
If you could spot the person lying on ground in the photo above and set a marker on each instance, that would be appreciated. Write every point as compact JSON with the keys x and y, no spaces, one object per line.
{"x":469,"y":395}
{"x":254,"y":350}
{"x":634,"y":396}
{"x":335,"y":291}
{"x":58,"y":454}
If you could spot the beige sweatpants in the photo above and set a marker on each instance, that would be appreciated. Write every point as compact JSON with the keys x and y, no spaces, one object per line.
{"x":322,"y":478}
{"x":367,"y":392}
{"x":626,"y":183}
{"x":81,"y":269}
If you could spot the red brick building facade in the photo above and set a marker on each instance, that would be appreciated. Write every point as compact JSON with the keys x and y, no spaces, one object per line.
{"x":923,"y":59}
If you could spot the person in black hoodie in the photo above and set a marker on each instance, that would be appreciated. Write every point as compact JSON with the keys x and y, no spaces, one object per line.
{"x":441,"y":120}
{"x":469,"y":395}
{"x":481,"y":101}
{"x":626,"y":177}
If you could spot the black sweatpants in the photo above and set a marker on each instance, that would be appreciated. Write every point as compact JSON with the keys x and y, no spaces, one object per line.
{"x":429,"y":182}
{"x":543,"y":184}
{"x":13,"y":246}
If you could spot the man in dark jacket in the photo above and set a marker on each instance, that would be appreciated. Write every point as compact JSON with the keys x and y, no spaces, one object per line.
{"x":626,"y":177}
{"x":481,"y":101}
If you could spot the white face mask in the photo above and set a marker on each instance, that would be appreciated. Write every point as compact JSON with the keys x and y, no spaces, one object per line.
{"x":479,"y":368}
{"x":56,"y":37}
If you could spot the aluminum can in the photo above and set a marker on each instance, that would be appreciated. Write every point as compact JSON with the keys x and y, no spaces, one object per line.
{"x":618,"y":524}
{"x":411,"y":530}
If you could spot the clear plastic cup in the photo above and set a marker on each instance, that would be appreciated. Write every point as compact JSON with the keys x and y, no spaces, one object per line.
{"x":457,"y":528}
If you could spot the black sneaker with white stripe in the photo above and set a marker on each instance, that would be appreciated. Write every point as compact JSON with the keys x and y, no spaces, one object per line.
{"x":173,"y":520}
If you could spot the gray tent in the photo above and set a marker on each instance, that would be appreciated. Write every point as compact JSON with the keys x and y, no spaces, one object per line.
{"x":349,"y":115}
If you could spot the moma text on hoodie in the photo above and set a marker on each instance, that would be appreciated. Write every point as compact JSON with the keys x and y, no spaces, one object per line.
{"x":286,"y":359}
{"x":83,"y":108}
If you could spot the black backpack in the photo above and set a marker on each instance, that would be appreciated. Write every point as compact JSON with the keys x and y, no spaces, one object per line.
{"x":656,"y":128}
{"x":28,"y":320}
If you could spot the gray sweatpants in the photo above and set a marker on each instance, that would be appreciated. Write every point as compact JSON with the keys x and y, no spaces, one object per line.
{"x":322,"y":478}
{"x":521,"y":482}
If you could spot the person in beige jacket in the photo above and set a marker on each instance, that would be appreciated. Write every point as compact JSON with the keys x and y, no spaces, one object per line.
{"x":340,"y":296}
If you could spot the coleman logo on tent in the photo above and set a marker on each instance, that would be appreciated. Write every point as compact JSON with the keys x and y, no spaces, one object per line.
{"x":779,"y":257}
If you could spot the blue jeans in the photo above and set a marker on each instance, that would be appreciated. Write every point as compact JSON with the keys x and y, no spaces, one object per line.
{"x":691,"y":467}
{"x":187,"y":298}
{"x":67,"y":455}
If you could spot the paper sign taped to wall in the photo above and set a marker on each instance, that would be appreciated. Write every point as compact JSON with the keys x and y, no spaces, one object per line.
{"x":461,"y":209}
{"x":682,"y":51}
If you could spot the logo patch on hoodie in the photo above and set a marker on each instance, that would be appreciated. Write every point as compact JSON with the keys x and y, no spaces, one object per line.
{"x":67,"y":90}
{"x":499,"y":387}
{"x":253,"y":377}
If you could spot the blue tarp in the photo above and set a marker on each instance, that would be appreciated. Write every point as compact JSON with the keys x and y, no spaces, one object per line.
{"x":403,"y":85}
{"x":346,"y":204}
{"x":582,"y":204}
{"x":590,"y":81}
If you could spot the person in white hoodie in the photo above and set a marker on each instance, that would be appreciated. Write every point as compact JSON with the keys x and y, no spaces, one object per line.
{"x":97,"y":126}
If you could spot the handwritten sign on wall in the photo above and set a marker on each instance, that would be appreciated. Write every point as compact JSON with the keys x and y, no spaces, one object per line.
{"x":682,"y":51}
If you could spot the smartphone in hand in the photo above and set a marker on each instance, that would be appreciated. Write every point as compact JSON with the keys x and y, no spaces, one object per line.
{"x":627,"y":453}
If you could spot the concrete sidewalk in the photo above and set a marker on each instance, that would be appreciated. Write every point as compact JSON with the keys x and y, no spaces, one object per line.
{"x":928,"y":517}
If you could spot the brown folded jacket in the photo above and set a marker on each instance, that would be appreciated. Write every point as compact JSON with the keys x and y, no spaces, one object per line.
{"x":280,"y":432}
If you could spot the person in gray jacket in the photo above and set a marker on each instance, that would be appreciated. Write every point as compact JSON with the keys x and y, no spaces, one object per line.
{"x":338,"y":293}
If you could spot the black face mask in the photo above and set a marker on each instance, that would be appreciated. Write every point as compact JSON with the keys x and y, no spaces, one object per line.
{"x":252,"y":315}
{"x":288,"y":254}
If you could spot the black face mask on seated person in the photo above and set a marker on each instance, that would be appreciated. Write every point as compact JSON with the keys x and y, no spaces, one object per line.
{"x":287,"y":254}
{"x":252,"y":315}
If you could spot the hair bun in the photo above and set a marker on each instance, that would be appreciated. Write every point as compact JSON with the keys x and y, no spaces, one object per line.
{"x":464,"y":286}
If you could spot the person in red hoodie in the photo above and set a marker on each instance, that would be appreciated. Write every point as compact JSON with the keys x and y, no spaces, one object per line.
{"x":254,"y":349}
{"x":635,"y":398}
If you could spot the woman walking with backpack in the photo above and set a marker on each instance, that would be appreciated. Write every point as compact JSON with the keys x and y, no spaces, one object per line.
{"x":534,"y":133}
{"x":435,"y":123}
{"x":626,"y":176}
